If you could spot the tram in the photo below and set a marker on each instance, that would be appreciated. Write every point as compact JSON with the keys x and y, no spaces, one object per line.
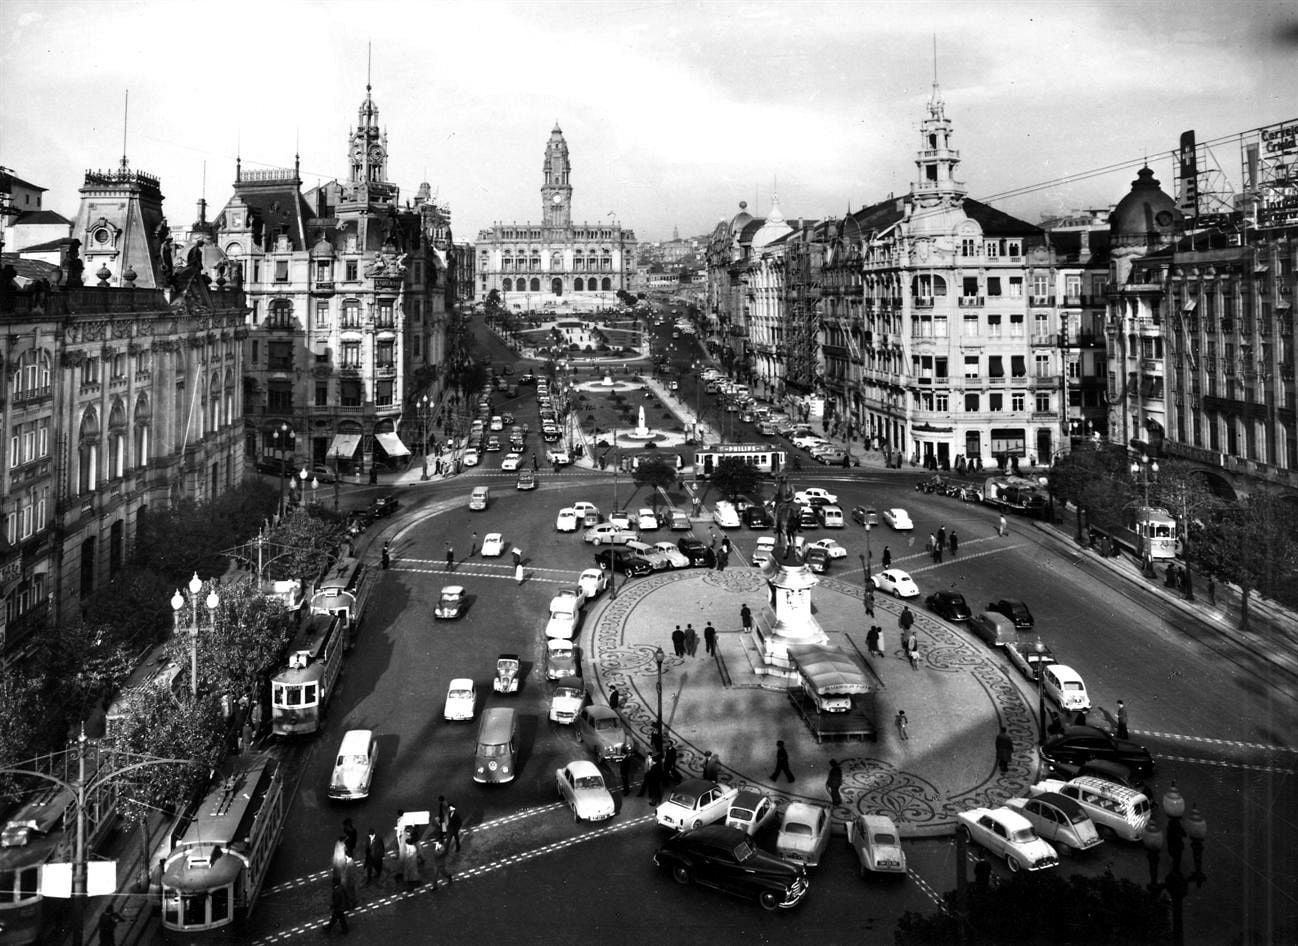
{"x":300,"y":692}
{"x":344,"y":590}
{"x":767,"y":458}
{"x":220,"y":853}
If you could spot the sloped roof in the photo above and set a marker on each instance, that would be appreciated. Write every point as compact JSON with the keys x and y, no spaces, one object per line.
{"x":1068,"y":245}
{"x":47,"y":246}
{"x":40,"y":217}
{"x":995,"y":221}
{"x":33,"y":269}
{"x":278,"y":204}
{"x":8,"y":179}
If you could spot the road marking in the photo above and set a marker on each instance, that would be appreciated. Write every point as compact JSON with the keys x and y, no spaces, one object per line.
{"x":472,"y":872}
{"x":1232,"y":743}
{"x":923,"y":885}
{"x":956,"y":560}
{"x":441,"y":566}
{"x":1272,"y":769}
{"x":458,"y":570}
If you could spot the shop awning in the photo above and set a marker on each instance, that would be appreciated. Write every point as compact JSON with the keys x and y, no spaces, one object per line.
{"x":344,"y":446}
{"x":828,"y":670}
{"x":393,"y":445}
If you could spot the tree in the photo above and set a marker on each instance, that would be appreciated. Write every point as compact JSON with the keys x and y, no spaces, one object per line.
{"x":245,"y":642}
{"x":20,"y":695}
{"x":733,"y":476}
{"x":658,"y":473}
{"x":307,"y":544}
{"x":1250,"y":543}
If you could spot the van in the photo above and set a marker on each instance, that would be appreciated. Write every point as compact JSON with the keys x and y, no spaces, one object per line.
{"x":1115,"y":808}
{"x":831,"y":517}
{"x":494,"y":758}
{"x":478,"y":498}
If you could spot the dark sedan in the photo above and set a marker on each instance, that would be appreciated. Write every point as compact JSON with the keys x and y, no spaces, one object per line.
{"x":1066,"y":753}
{"x":1015,"y":610}
{"x":620,"y":560}
{"x":756,"y":517}
{"x":698,"y":553}
{"x":384,"y":506}
{"x":948,"y":604}
{"x":726,"y":859}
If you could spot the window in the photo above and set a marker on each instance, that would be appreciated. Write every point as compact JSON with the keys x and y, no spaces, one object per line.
{"x":992,"y":249}
{"x":1040,"y":285}
{"x":942,"y":402}
{"x":993,"y":326}
{"x":1073,"y":286}
{"x":383,"y":351}
{"x":256,"y":353}
{"x":256,"y":311}
{"x":90,"y":371}
{"x":279,"y":356}
{"x":279,"y":395}
{"x":383,"y":393}
{"x":324,"y":270}
{"x":1013,"y":248}
{"x":1018,"y":366}
{"x":971,"y":367}
{"x":939,"y":326}
{"x":1041,"y":324}
{"x":351,"y":269}
{"x":970,"y":326}
{"x":995,"y":366}
{"x":971,"y":403}
{"x":996,"y":402}
{"x":383,"y":314}
{"x":969,"y":286}
{"x":322,"y":394}
{"x":1043,"y":402}
{"x":281,"y":314}
{"x":350,"y":391}
{"x":939,"y":365}
{"x":1041,"y":363}
{"x":281,"y":270}
{"x":1016,"y":287}
{"x":1016,"y":325}
{"x":321,"y":313}
{"x":993,"y":285}
{"x":351,"y":354}
{"x":351,"y":313}
{"x":1017,"y":400}
{"x":119,"y":367}
{"x":419,"y":346}
{"x":968,"y":247}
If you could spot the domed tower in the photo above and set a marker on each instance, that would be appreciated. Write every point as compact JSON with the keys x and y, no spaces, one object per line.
{"x":556,"y":190}
{"x":1143,"y":221}
{"x":935,"y":184}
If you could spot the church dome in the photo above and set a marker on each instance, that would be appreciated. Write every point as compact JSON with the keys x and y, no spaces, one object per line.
{"x":741,"y":219}
{"x":1147,"y":215}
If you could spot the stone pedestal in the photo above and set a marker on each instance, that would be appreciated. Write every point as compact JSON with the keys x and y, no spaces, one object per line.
{"x":790,"y":597}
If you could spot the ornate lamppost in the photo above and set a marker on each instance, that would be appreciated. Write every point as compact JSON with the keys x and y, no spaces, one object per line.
{"x":280,"y":436}
{"x":424,"y":408}
{"x":302,"y":476}
{"x":659,"y":656}
{"x":1175,"y":884}
{"x":178,"y":605}
{"x":1146,"y":469}
{"x":1040,"y":649}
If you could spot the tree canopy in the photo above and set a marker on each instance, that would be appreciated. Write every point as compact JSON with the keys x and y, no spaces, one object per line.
{"x":658,"y":473}
{"x":733,"y":476}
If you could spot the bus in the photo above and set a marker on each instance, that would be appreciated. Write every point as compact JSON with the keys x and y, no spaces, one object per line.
{"x":767,"y":458}
{"x":344,"y":590}
{"x":39,"y":826}
{"x":220,"y":853}
{"x":300,"y":692}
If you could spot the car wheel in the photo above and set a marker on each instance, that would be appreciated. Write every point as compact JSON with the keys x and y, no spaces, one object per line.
{"x":1013,"y":864}
{"x":681,"y":874}
{"x":769,"y":900}
{"x":896,"y":592}
{"x":576,"y":818}
{"x":598,"y":542}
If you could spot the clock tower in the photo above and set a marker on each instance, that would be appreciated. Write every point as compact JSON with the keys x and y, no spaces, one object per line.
{"x":556,"y":191}
{"x":367,"y":153}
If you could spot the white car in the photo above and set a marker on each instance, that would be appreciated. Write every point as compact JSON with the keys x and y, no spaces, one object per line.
{"x":806,"y":441}
{"x":470,"y":457}
{"x":651,"y":554}
{"x":674,"y":557}
{"x":586,"y":510}
{"x":750,"y":810}
{"x":497,"y":422}
{"x":565,"y":615}
{"x":899,"y":519}
{"x":557,"y":456}
{"x":877,"y":844}
{"x":725,"y":515}
{"x":1006,"y":833}
{"x":814,"y":494}
{"x":354,"y":765}
{"x":593,"y":582}
{"x":606,"y":533}
{"x":804,"y":833}
{"x":620,"y":518}
{"x":895,"y":582}
{"x":1064,"y":685}
{"x":567,"y":520}
{"x":694,"y":803}
{"x":566,"y":701}
{"x":581,"y":786}
{"x":829,"y":545}
{"x":461,"y":700}
{"x":493,"y":545}
{"x":646,"y":519}
{"x":511,"y":461}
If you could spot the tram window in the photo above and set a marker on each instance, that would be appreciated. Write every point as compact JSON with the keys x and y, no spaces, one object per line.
{"x":292,"y":696}
{"x":309,"y":695}
{"x":194,"y":908}
{"x":277,"y":694}
{"x":220,"y":904}
{"x":171,"y":908}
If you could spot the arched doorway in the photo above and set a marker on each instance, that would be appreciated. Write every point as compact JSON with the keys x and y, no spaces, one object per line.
{"x":556,"y":286}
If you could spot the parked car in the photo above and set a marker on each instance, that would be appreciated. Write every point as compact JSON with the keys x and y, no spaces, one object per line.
{"x":757,"y":517}
{"x":865,"y":516}
{"x":831,"y":547}
{"x":1006,"y":833}
{"x":470,"y":457}
{"x":646,"y":519}
{"x":609,"y":533}
{"x":461,"y":700}
{"x":750,"y":810}
{"x":994,"y":629}
{"x":384,"y":506}
{"x":651,"y":554}
{"x":726,"y":859}
{"x":451,"y":603}
{"x":696,"y":551}
{"x":622,"y":518}
{"x":581,"y":786}
{"x":813,"y":495}
{"x":675,"y":557}
{"x":323,"y":474}
{"x":680,"y":520}
{"x":593,"y":582}
{"x":566,"y":700}
{"x":354,"y":765}
{"x":620,"y":560}
{"x":560,"y":658}
{"x":1015,"y":610}
{"x":898,"y":518}
{"x":565,"y":615}
{"x":556,"y":456}
{"x":493,"y":545}
{"x":526,"y":480}
{"x":1059,"y":820}
{"x":694,"y":803}
{"x":1064,"y":685}
{"x":600,"y":730}
{"x":804,"y":833}
{"x":895,"y":582}
{"x":1076,"y":745}
{"x":567,"y":520}
{"x":511,"y":462}
{"x":506,"y":681}
{"x":816,"y":558}
{"x":833,"y":457}
{"x":877,"y":844}
{"x":725,"y":515}
{"x":1116,"y":809}
{"x":1029,"y":656}
{"x":948,"y":604}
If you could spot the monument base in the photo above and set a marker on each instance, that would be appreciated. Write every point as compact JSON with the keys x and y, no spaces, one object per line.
{"x":773,"y":648}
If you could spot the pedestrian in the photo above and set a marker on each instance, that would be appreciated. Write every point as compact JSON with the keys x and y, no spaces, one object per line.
{"x":652,"y":782}
{"x":671,"y":772}
{"x":931,"y":544}
{"x":723,"y":557}
{"x":887,"y":557}
{"x":108,"y":921}
{"x":517,"y":553}
{"x":374,"y":854}
{"x":882,"y":645}
{"x":903,"y":725}
{"x":678,"y":641}
{"x":614,"y":698}
{"x":906,"y":618}
{"x":473,"y":545}
{"x":711,"y":765}
{"x":1212,"y":592}
{"x":450,"y":557}
{"x":710,"y":639}
{"x":872,"y":641}
{"x":1004,"y":750}
{"x":448,"y":819}
{"x":1122,"y":720}
{"x":691,"y":640}
{"x":781,"y":762}
{"x":954,"y":541}
{"x":408,"y":871}
{"x":745,"y":617}
{"x":349,"y":838}
{"x":912,"y":650}
{"x":624,"y":769}
{"x":1056,"y":727}
{"x":441,"y":850}
{"x":385,"y":556}
{"x":937,"y":555}
{"x":834,"y":782}
{"x":338,"y":907}
{"x":1001,"y":528}
{"x":535,"y":466}
{"x":941,"y":537}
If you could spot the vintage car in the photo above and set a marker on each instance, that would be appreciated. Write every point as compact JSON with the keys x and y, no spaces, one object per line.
{"x":696,"y":550}
{"x":675,"y":558}
{"x":593,"y":582}
{"x":600,"y":729}
{"x":694,"y":803}
{"x":588,"y":513}
{"x":581,"y":786}
{"x":1058,"y":819}
{"x":354,"y":765}
{"x":566,"y":701}
{"x":750,"y":810}
{"x":895,"y":582}
{"x":1029,"y":656}
{"x":461,"y":700}
{"x":727,"y":860}
{"x":451,"y":603}
{"x":831,"y":547}
{"x":565,"y":615}
{"x":948,"y":604}
{"x":527,"y":480}
{"x":761,"y":555}
{"x":680,"y":520}
{"x":1006,"y":833}
{"x":865,"y":516}
{"x":898,"y":518}
{"x":1121,"y":811}
{"x":1015,"y":610}
{"x":608,"y":533}
{"x":622,"y":518}
{"x":877,"y":844}
{"x":813,"y":495}
{"x":620,"y":560}
{"x":995,"y":630}
{"x":557,"y":456}
{"x":560,"y":659}
{"x":804,"y":833}
{"x":646,"y":519}
{"x":1064,"y":685}
{"x":758,"y":517}
{"x":650,"y":554}
{"x":470,"y":457}
{"x":816,"y":558}
{"x":493,"y":545}
{"x":568,"y":520}
{"x":1066,"y":753}
{"x":511,"y":462}
{"x":506,"y":681}
{"x":493,"y":444}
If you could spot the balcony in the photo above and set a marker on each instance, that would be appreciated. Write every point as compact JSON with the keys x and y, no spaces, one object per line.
{"x":969,"y":302}
{"x":1041,"y":300}
{"x":923,"y":302}
{"x":323,"y":288}
{"x":1047,"y":340}
{"x":280,"y":325}
{"x":1073,"y":298}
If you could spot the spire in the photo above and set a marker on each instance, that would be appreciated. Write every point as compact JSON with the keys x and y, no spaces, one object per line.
{"x":775,"y":216}
{"x":126,"y":108}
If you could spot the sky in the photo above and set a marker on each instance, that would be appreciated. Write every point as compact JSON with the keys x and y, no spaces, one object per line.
{"x":673,"y":111}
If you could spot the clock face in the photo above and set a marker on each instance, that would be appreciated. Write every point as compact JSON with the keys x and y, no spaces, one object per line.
{"x":376,"y":153}
{"x":1163,"y":218}
{"x":557,"y":199}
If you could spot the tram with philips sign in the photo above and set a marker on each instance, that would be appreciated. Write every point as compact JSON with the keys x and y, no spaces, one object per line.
{"x":300,"y":692}
{"x":765,"y":457}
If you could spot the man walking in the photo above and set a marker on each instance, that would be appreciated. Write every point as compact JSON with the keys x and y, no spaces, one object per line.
{"x":678,"y":641}
{"x":349,"y":838}
{"x":441,"y":850}
{"x":872,"y":641}
{"x":834,"y":782}
{"x":745,"y":617}
{"x":903,"y":725}
{"x":906,"y":618}
{"x":781,"y":762}
{"x":911,"y":645}
{"x":450,"y":557}
{"x":954,"y":541}
{"x":941,"y":537}
{"x":1122,"y":720}
{"x":1004,"y":750}
{"x":710,"y":639}
{"x":671,"y":773}
{"x":691,"y":640}
{"x":448,"y":819}
{"x":711,"y":765}
{"x":338,"y":906}
{"x":1001,"y":528}
{"x":473,"y":545}
{"x":869,"y":601}
{"x":887,"y":557}
{"x":652,"y":782}
{"x":374,"y":854}
{"x":614,"y":698}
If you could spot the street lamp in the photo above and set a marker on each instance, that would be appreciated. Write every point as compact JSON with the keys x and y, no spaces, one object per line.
{"x":1147,"y":469}
{"x":423,"y":435}
{"x":1040,"y":649}
{"x":177,"y":605}
{"x":302,"y":476}
{"x":1176,"y":884}
{"x":659,"y":656}
{"x":280,"y":436}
